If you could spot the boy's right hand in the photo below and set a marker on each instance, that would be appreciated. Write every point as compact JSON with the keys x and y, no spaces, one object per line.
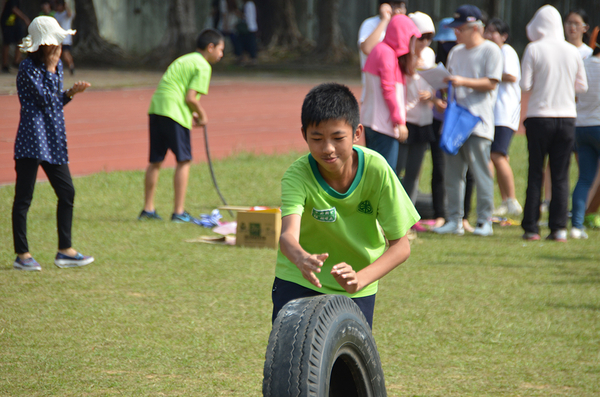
{"x":198,"y":121}
{"x":310,"y":265}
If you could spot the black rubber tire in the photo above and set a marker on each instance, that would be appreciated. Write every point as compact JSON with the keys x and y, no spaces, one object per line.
{"x":322,"y":346}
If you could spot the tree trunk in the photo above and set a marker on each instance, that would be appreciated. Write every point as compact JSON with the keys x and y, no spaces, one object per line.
{"x":180,"y":37}
{"x":89,"y":47}
{"x":330,"y":44}
{"x":279,"y":26}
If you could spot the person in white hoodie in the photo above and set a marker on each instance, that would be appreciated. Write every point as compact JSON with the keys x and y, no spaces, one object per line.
{"x":552,"y":72}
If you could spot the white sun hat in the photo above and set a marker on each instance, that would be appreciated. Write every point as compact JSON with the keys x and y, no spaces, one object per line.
{"x":44,"y":31}
{"x":423,"y":22}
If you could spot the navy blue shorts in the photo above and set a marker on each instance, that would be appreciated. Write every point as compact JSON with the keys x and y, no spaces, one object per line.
{"x":502,"y":138}
{"x":285,"y":291}
{"x":66,"y":47}
{"x":167,"y":134}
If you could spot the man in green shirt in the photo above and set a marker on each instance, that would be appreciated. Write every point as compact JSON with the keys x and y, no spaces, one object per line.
{"x":174,"y":106}
{"x":333,"y":200}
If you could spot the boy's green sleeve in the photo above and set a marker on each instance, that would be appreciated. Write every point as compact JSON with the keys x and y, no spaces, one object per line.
{"x":201,"y":79}
{"x":397,"y":214}
{"x":293,"y":194}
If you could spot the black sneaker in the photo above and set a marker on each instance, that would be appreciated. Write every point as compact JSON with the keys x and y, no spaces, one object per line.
{"x":185,"y":217}
{"x":145,"y":215}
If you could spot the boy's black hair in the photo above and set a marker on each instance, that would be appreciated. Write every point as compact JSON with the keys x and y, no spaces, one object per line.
{"x":330,"y":101}
{"x":208,"y":36}
{"x":501,"y":27}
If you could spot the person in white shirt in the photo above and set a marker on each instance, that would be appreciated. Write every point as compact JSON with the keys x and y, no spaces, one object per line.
{"x":475,"y":65}
{"x":576,"y":26}
{"x":552,"y":73}
{"x":65,"y":16}
{"x":587,"y":135}
{"x":506,"y":117}
{"x":248,"y":38}
{"x":372,"y":31}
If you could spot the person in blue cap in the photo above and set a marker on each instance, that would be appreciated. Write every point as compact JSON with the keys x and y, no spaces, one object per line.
{"x":475,"y":65}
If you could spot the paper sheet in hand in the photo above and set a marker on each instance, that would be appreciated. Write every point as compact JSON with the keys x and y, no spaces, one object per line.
{"x":435,"y":76}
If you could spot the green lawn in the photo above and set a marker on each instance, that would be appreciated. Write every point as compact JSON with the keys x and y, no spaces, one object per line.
{"x":156,"y":316}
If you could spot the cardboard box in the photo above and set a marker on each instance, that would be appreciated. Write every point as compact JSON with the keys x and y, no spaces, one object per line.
{"x":258,"y":229}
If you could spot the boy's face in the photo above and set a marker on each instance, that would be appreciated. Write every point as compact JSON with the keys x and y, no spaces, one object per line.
{"x":214,"y":53}
{"x":330,"y":143}
{"x":492,"y":34}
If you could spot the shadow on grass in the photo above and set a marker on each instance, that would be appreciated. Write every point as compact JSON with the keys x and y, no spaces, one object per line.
{"x":595,"y":308}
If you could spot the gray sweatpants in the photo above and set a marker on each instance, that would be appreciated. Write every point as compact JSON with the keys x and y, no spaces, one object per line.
{"x":475,"y":155}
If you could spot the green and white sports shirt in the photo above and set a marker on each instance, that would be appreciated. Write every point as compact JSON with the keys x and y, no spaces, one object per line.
{"x":188,"y":72}
{"x":344,"y":225}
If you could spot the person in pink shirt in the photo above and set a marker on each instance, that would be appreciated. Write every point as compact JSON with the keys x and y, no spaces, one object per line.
{"x":383,"y":112}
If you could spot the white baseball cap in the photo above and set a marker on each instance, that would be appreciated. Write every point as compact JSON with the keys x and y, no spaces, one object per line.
{"x":44,"y":31}
{"x":423,"y":22}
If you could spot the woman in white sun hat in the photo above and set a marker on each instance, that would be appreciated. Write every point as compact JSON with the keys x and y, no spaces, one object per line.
{"x":419,"y":113}
{"x":42,"y":141}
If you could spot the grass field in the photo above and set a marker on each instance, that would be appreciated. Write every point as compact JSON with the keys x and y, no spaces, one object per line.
{"x":157,"y":316}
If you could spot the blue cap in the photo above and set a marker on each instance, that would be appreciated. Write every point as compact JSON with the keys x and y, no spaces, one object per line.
{"x":465,"y":14}
{"x":444,"y":33}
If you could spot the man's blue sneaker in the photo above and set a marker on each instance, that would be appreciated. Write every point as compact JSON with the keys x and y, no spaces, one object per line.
{"x":185,"y":217}
{"x":78,"y":260}
{"x":26,"y":264}
{"x":146,"y":215}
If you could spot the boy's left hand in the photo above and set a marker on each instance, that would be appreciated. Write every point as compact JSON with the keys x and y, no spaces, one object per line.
{"x":198,"y":120}
{"x":346,"y":277}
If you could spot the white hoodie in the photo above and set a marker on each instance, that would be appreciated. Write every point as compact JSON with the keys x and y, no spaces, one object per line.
{"x":552,"y":68}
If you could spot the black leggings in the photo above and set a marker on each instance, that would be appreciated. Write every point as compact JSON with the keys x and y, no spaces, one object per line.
{"x":60,"y":180}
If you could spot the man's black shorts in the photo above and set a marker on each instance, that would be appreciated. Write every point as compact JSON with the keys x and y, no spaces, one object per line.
{"x":167,"y":134}
{"x":502,"y":138}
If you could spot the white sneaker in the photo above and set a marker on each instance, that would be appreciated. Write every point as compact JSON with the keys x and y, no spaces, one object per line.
{"x":502,"y":209}
{"x":559,"y":235}
{"x":578,"y":234}
{"x":484,"y":229}
{"x":513,"y":207}
{"x":450,"y":227}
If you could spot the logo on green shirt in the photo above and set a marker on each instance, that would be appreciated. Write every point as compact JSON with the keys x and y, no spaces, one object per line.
{"x":329,"y":215}
{"x":365,"y":207}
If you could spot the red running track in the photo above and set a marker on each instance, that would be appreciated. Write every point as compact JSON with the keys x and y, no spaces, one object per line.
{"x":108,"y":130}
